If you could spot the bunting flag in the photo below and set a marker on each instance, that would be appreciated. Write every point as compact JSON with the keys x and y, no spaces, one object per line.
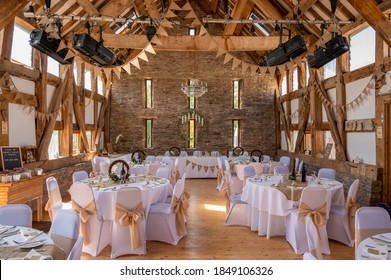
{"x":272,"y":70}
{"x":126,"y":67}
{"x":281,"y":68}
{"x":142,"y":55}
{"x":262,"y":71}
{"x":203,"y":31}
{"x":245,"y":67}
{"x":170,"y":14}
{"x":135,"y":62}
{"x":166,"y":23}
{"x":298,"y":62}
{"x":290,"y":65}
{"x":156,"y":40}
{"x":191,"y":14}
{"x":193,"y":165}
{"x":174,"y":6}
{"x":97,"y":70}
{"x":117,"y":71}
{"x":227,"y":58}
{"x":196,"y":22}
{"x":187,"y":7}
{"x":235,"y":63}
{"x":107,"y":72}
{"x":161,"y":31}
{"x":220,"y":52}
{"x":199,"y":167}
{"x":150,"y":49}
{"x":61,"y":46}
{"x":70,"y":54}
{"x":254,"y":69}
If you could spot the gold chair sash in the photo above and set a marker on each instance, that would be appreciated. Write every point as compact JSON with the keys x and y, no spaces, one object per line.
{"x":65,"y":243}
{"x":180,"y":207}
{"x":131,"y":219}
{"x":317,"y":215}
{"x":351,"y":207}
{"x":48,"y":208}
{"x":53,"y":196}
{"x":219,"y":176}
{"x":85,"y":214}
{"x":226,"y":196}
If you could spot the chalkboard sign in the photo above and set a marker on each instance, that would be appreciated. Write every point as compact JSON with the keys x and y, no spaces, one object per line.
{"x":11,"y":158}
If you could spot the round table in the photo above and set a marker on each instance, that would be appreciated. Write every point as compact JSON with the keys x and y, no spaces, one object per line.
{"x":377,"y":244}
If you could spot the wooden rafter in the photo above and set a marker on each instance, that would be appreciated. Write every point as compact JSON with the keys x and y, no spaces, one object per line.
{"x":196,"y":43}
{"x":375,"y":17}
{"x":303,"y":117}
{"x":9,"y":9}
{"x":236,"y":13}
{"x":88,"y":7}
{"x":268,"y":8}
{"x":152,"y":9}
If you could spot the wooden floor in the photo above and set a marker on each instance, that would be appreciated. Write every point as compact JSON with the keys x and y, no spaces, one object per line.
{"x":209,"y":239}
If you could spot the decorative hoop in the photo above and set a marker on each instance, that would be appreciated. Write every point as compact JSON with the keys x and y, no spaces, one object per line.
{"x":258,"y":152}
{"x":236,"y":149}
{"x":125,"y":165}
{"x":140,"y":153}
{"x":175,"y":151}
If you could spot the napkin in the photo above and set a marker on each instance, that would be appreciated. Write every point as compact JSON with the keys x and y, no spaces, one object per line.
{"x":35,"y":255}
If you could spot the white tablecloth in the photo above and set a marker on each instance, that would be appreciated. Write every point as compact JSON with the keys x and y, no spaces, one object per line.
{"x":268,"y":207}
{"x":362,"y":248}
{"x":198,"y":167}
{"x":239,"y":169}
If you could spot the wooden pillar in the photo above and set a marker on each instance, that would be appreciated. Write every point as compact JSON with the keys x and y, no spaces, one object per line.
{"x":66,"y":134}
{"x":317,"y":136}
{"x":40,"y":63}
{"x":6,"y":37}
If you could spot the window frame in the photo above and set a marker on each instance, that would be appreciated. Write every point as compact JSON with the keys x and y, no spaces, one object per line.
{"x":148,"y":95}
{"x":234,"y":94}
{"x":233,"y":133}
{"x":146,"y":144}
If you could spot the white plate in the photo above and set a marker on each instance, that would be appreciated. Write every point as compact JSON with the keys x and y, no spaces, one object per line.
{"x":32,"y":244}
{"x":379,"y":252}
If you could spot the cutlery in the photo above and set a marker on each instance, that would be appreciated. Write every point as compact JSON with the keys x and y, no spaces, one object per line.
{"x":381,"y":240}
{"x":366,"y":257}
{"x":385,"y":237}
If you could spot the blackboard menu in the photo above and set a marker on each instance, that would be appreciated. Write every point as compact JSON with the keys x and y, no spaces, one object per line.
{"x":11,"y":158}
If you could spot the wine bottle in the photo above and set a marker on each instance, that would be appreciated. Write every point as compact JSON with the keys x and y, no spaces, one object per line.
{"x":303,"y":174}
{"x":294,"y":171}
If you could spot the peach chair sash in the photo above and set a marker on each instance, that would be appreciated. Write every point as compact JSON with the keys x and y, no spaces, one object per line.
{"x":226,"y":196}
{"x":85,"y":214}
{"x":175,"y":178}
{"x":317,"y":215}
{"x":219,"y":176}
{"x":65,"y":243}
{"x":131,"y":219}
{"x":352,"y":207}
{"x":48,"y":208}
{"x":53,"y":197}
{"x":180,"y":207}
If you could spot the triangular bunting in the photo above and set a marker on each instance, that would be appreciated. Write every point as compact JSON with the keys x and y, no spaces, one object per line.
{"x":61,"y":46}
{"x":298,"y":62}
{"x":281,"y":68}
{"x":187,"y":162}
{"x":126,"y":67}
{"x":236,"y":63}
{"x":97,"y":70}
{"x":254,"y":69}
{"x":191,"y":15}
{"x":290,"y":65}
{"x":117,"y":71}
{"x":199,"y":168}
{"x":187,"y":7}
{"x":142,"y":55}
{"x":161,"y":31}
{"x":150,"y":49}
{"x":206,"y":169}
{"x":196,"y":22}
{"x":193,"y":165}
{"x":174,"y":6}
{"x":245,"y":66}
{"x":213,"y":168}
{"x":227,"y":58}
{"x":220,"y":52}
{"x":107,"y":72}
{"x":156,"y":41}
{"x":170,"y":14}
{"x":135,"y":62}
{"x":203,"y":31}
{"x":272,"y":70}
{"x":166,"y":23}
{"x":70,"y":54}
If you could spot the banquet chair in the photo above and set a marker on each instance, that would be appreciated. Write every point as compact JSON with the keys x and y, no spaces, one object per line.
{"x":215,"y":154}
{"x":257,"y":166}
{"x":312,"y":204}
{"x":223,"y":160}
{"x":370,"y":221}
{"x":235,"y":183}
{"x":97,"y":163}
{"x":167,"y":222}
{"x":183,"y":154}
{"x":220,"y":174}
{"x":197,"y":153}
{"x":76,"y":251}
{"x":313,"y":239}
{"x":285,"y":161}
{"x":128,"y":234}
{"x":236,"y":209}
{"x":65,"y":230}
{"x":54,"y":203}
{"x":167,"y":153}
{"x":281,"y":170}
{"x":95,"y":230}
{"x":340,"y":226}
{"x":150,"y":158}
{"x":245,"y":153}
{"x":248,"y":171}
{"x":265,"y":158}
{"x":273,"y":165}
{"x":164,"y":172}
{"x":328,"y":173}
{"x":153,"y":167}
{"x":16,"y":215}
{"x":307,"y":256}
{"x":242,"y":157}
{"x":79,"y":175}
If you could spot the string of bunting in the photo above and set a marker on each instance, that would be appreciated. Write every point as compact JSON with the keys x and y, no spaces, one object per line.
{"x":199,"y":167}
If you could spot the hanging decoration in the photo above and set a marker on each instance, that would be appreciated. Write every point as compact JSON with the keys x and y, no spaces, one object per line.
{"x":199,"y":167}
{"x":199,"y":121}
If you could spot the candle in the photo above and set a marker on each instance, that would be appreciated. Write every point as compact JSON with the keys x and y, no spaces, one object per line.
{"x":202,"y":122}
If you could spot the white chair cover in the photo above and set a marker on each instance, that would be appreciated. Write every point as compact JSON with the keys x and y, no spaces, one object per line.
{"x":183,"y":154}
{"x":97,"y":162}
{"x":248,"y":171}
{"x":237,"y":210}
{"x":245,"y":154}
{"x":76,"y":251}
{"x":167,"y":153}
{"x":313,"y":239}
{"x":65,"y":230}
{"x":54,"y":203}
{"x":79,"y":175}
{"x":273,"y":165}
{"x":281,"y":170}
{"x":328,"y":173}
{"x":123,"y":241}
{"x":197,"y":153}
{"x":242,"y":157}
{"x":307,"y":256}
{"x":162,"y":221}
{"x":215,"y":154}
{"x":340,"y":226}
{"x":285,"y":161}
{"x":223,"y":160}
{"x":236,"y":185}
{"x":257,"y":166}
{"x":97,"y":229}
{"x":104,"y":167}
{"x":265,"y":158}
{"x":150,"y":158}
{"x":313,"y":199}
{"x":16,"y":215}
{"x":153,"y":167}
{"x":371,"y":221}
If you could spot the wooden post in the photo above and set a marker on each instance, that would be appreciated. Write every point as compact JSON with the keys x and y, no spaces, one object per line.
{"x":40,"y":64}
{"x":7,"y":35}
{"x":66,"y":135}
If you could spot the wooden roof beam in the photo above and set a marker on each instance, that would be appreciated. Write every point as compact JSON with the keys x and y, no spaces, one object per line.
{"x":197,"y":43}
{"x":88,"y":7}
{"x":9,"y":9}
{"x":269,"y":9}
{"x":375,"y":17}
{"x":236,"y":13}
{"x":152,"y":9}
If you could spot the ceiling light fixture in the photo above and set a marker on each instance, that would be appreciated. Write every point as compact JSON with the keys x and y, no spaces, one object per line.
{"x":194,"y":88}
